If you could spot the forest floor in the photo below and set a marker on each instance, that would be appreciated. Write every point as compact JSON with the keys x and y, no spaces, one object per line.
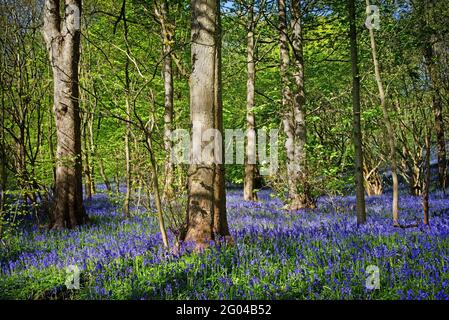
{"x":315,"y":254}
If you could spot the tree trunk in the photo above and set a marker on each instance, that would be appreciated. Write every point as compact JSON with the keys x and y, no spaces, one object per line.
{"x":117,"y":183}
{"x":127,"y":160}
{"x":157,"y":194}
{"x":390,"y":131}
{"x":200,"y":210}
{"x":162,"y":11}
{"x":373,"y":181}
{"x":286,"y":93}
{"x":303,"y":199}
{"x":3,"y":173}
{"x":426,"y":180}
{"x":438,"y":114}
{"x":293,"y":118}
{"x":87,"y":172}
{"x":221,"y":227}
{"x":432,"y":55}
{"x":360,"y":192}
{"x":92,"y":154}
{"x":128,"y":122}
{"x":104,"y":176}
{"x":86,"y":120}
{"x":410,"y":165}
{"x":21,"y":171}
{"x":250,"y":165}
{"x":415,"y":178}
{"x":50,"y":142}
{"x":63,"y":44}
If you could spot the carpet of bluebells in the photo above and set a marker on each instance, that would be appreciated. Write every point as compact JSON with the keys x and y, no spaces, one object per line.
{"x":314,"y":254}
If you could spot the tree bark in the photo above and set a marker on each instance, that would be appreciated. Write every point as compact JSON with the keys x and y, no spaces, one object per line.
{"x":221,"y":227}
{"x":3,"y":173}
{"x":87,"y":172}
{"x":286,"y":92}
{"x":433,"y":56}
{"x":303,"y":199}
{"x":128,"y":120}
{"x":117,"y":174}
{"x":21,"y":171}
{"x":373,"y":181}
{"x":437,"y":106}
{"x":250,"y":165}
{"x":89,"y":149}
{"x":50,"y":142}
{"x":161,"y":12}
{"x":426,"y":180}
{"x":63,"y":44}
{"x":157,"y":194}
{"x":127,"y":160}
{"x":104,"y":176}
{"x":390,"y":131}
{"x":357,"y":130}
{"x":293,"y":105}
{"x":201,"y":177}
{"x":92,"y":153}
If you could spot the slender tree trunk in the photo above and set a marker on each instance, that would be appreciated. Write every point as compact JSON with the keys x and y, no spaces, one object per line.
{"x":360,"y":191}
{"x":51,"y":144}
{"x":415,"y":188}
{"x":388,"y":125}
{"x":117,"y":175}
{"x":87,"y":173}
{"x":426,"y":180}
{"x":20,"y":150}
{"x":104,"y":176}
{"x":250,"y":165}
{"x":221,"y":227}
{"x":157,"y":195}
{"x":117,"y":183}
{"x":85,"y":119}
{"x":3,"y":173}
{"x":3,"y":178}
{"x":373,"y":181}
{"x":128,"y":177}
{"x":92,"y":154}
{"x":200,"y":211}
{"x":427,"y":12}
{"x":63,"y":44}
{"x":128,"y":123}
{"x":162,"y":12}
{"x":441,"y":141}
{"x":22,"y":176}
{"x":437,"y":106}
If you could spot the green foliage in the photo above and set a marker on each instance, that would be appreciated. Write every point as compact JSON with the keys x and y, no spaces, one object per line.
{"x":327,"y":84}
